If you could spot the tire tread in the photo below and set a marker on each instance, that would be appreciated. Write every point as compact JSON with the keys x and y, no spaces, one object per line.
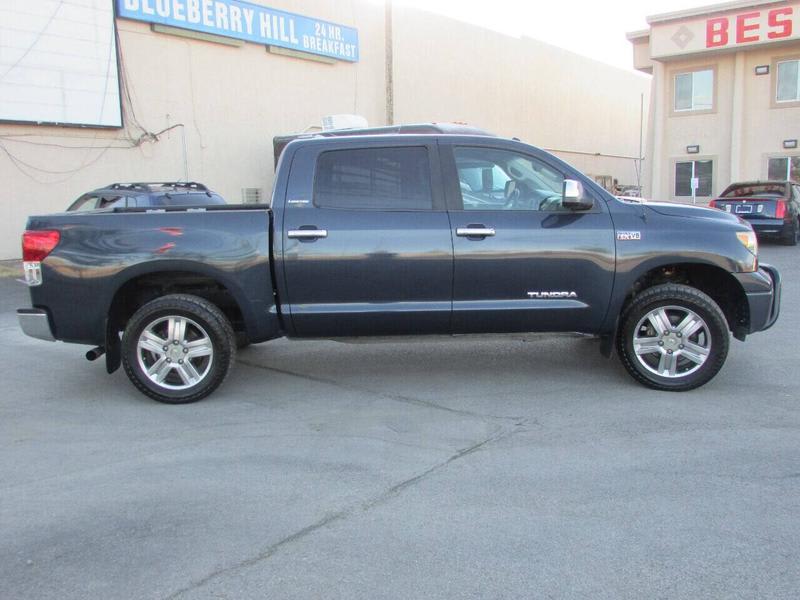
{"x":209,"y":312}
{"x":672,"y":292}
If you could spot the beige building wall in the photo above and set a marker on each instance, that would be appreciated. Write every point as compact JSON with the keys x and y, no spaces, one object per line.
{"x":231,"y":100}
{"x":519,"y":87}
{"x":745,"y":128}
{"x":766,"y":125}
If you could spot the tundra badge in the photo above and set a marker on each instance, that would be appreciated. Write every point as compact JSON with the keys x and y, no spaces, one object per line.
{"x":543,"y":295}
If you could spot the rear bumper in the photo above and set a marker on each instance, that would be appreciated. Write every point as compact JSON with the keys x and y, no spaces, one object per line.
{"x":769,"y":226}
{"x":35,"y":322}
{"x":763,"y":292}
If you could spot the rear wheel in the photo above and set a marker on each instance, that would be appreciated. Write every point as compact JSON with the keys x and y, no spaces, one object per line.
{"x":673,"y":338}
{"x":792,"y":235}
{"x":178,"y":348}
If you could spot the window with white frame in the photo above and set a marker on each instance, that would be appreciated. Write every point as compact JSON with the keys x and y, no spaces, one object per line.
{"x":694,"y":90}
{"x":788,"y":88}
{"x":784,"y":168}
{"x":694,"y":173}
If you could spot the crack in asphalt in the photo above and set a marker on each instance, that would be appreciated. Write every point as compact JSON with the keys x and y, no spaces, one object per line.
{"x":384,"y":395}
{"x":353,"y":510}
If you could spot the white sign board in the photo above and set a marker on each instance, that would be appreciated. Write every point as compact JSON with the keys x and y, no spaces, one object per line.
{"x":58,"y":62}
{"x":726,"y":30}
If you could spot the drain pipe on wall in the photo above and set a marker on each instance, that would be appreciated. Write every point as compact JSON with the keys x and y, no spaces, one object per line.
{"x":389,"y":67}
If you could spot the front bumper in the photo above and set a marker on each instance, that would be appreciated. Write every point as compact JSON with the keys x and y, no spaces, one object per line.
{"x":763,"y":292}
{"x":35,"y":322}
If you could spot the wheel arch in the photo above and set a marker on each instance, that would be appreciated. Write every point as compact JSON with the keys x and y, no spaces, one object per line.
{"x":143,"y":282}
{"x":709,"y":278}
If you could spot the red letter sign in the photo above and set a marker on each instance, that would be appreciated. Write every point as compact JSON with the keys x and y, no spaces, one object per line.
{"x":742,"y":27}
{"x":784,"y":26}
{"x":716,"y":32}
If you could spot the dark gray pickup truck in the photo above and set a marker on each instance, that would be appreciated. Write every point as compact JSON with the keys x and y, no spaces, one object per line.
{"x":405,"y":234}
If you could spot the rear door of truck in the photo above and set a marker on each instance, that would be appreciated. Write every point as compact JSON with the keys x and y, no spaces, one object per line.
{"x":366,"y":245}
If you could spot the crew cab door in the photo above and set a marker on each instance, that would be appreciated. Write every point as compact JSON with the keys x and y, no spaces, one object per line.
{"x":366,"y":242}
{"x":522,"y":261}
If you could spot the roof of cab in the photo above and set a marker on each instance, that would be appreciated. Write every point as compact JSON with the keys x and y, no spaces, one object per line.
{"x":281,"y":141}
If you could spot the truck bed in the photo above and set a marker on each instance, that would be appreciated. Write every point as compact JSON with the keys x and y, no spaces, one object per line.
{"x":102,"y":252}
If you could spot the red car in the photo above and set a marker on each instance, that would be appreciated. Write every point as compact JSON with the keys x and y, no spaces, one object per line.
{"x":771,"y":207}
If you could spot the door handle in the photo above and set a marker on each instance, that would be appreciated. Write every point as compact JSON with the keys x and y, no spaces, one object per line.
{"x":475,"y":231}
{"x":306,"y":234}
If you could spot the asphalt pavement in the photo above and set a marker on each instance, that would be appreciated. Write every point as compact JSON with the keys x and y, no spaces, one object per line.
{"x":503,"y":467}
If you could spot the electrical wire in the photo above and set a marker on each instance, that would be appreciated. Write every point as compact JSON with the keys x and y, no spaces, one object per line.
{"x":129,"y":141}
{"x":22,"y":165}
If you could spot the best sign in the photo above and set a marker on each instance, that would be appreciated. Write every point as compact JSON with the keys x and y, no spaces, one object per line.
{"x":726,"y":31}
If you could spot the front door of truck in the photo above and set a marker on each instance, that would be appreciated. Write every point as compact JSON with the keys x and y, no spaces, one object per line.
{"x":522,"y":261}
{"x":367,"y":248}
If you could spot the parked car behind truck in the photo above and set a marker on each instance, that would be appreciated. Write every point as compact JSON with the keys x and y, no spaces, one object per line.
{"x":771,"y":207}
{"x":401,"y":234}
{"x":147,"y":195}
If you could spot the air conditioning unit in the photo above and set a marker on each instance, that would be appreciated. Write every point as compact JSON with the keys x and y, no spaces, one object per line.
{"x":344,"y":122}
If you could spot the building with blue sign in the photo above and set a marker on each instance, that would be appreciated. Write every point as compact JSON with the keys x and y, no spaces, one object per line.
{"x":101,"y":91}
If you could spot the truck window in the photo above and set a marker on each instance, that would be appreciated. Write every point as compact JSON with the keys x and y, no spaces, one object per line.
{"x":85,"y":202}
{"x":374,"y":178}
{"x":492,"y":179}
{"x":112,"y":202}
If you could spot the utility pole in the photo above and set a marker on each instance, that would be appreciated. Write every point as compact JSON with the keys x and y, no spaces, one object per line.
{"x":389,"y":67}
{"x":641,"y":136}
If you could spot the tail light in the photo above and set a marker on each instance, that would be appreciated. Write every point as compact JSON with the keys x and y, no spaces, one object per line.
{"x":36,"y":245}
{"x":712,"y":204}
{"x":780,"y":209}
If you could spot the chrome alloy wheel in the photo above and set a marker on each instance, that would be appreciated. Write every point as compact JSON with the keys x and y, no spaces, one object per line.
{"x":672,"y":341}
{"x":175,"y":352}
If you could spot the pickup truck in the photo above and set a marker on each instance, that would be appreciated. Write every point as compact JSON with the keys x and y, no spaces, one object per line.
{"x":400,"y":234}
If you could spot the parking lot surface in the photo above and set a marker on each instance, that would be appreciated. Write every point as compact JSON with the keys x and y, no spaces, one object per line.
{"x":501,"y":467}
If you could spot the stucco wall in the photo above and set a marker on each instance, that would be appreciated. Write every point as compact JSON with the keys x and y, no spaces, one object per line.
{"x":233,"y":100}
{"x":518,"y":87}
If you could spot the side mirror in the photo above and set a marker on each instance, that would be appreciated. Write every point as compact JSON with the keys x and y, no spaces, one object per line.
{"x":573,"y":197}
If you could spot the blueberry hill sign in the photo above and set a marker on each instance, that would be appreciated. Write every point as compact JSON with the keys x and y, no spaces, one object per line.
{"x":248,"y":22}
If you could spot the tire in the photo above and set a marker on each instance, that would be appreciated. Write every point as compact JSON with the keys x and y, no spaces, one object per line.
{"x":203,"y":346}
{"x":792,"y":236}
{"x":692,"y":352}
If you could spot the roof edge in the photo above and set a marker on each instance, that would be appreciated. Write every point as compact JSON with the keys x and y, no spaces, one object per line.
{"x":637,"y":35}
{"x":708,"y":9}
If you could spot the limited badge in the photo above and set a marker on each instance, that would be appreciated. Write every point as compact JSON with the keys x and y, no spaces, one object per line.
{"x":627,"y":236}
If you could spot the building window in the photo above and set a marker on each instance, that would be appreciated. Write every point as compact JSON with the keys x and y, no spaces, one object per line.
{"x":700,"y":170}
{"x":694,"y":90}
{"x":788,"y":81}
{"x":784,"y":168}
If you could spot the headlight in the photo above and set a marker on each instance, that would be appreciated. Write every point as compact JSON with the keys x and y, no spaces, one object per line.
{"x":749,"y":241}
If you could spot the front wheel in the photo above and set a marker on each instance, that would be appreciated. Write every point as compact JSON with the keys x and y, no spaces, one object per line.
{"x":178,"y":348}
{"x":673,"y":338}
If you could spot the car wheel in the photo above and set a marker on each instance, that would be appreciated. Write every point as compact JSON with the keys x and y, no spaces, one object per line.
{"x":178,"y":349}
{"x":673,"y":338}
{"x":792,"y":237}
